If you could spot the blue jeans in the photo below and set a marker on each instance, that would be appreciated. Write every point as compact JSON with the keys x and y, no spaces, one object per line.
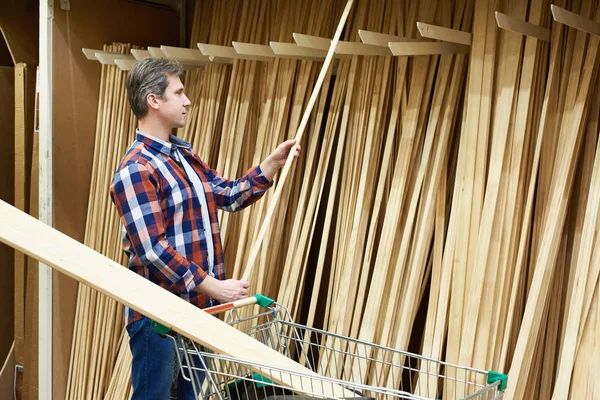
{"x":153,"y":366}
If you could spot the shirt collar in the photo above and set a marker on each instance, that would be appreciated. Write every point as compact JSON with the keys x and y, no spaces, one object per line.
{"x":159,"y":144}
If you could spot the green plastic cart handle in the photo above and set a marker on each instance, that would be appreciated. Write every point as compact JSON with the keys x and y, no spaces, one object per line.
{"x":494,"y":377}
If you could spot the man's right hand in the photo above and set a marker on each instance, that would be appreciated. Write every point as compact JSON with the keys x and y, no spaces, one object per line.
{"x":224,"y":291}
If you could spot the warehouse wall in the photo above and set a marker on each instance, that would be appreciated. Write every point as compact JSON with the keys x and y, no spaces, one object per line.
{"x":7,"y":165}
{"x":76,"y":80}
{"x":5,"y":59}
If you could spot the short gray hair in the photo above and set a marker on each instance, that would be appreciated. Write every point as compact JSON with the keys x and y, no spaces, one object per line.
{"x":149,"y":76}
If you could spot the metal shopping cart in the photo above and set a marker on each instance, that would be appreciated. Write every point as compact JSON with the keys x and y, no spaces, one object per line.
{"x":364,"y":369}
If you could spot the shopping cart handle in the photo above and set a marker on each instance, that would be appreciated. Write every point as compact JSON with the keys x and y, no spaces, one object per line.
{"x":263,"y":301}
{"x":259,"y":299}
{"x":494,"y":377}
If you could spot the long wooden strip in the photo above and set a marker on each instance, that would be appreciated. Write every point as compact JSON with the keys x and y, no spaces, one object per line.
{"x":519,"y":26}
{"x":362,"y":49}
{"x":436,"y":325}
{"x":575,"y":308}
{"x":465,"y":185}
{"x":313,"y":98}
{"x":475,"y":337}
{"x":382,"y":39}
{"x":304,"y":222}
{"x":293,"y":51}
{"x":553,"y":227}
{"x":446,"y":34}
{"x":335,"y":113}
{"x":415,"y":261}
{"x":594,"y":273}
{"x":527,"y":102}
{"x":426,"y":48}
{"x":548,"y":109}
{"x":315,"y":42}
{"x":21,"y":139}
{"x":575,"y":20}
{"x":140,"y":54}
{"x":258,"y":52}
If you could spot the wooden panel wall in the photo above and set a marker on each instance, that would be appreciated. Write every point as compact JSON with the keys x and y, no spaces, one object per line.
{"x":7,"y":165}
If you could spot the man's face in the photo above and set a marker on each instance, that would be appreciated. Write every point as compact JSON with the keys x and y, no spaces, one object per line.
{"x":174,"y":103}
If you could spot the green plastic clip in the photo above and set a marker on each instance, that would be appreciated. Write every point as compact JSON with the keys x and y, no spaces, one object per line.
{"x":259,"y":378}
{"x":263,"y":301}
{"x":494,"y":377}
{"x":160,"y":329}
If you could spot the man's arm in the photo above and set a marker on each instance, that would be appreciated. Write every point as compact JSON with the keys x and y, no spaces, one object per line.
{"x":277,"y":159}
{"x":223,"y":291}
{"x":135,"y":193}
{"x":236,"y":195}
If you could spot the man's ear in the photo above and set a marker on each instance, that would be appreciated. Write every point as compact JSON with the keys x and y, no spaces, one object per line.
{"x":152,"y":101}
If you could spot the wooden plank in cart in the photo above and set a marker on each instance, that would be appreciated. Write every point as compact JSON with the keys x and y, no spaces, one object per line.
{"x":70,"y":257}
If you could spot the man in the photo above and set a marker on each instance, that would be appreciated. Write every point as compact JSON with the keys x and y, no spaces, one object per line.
{"x":167,"y":199}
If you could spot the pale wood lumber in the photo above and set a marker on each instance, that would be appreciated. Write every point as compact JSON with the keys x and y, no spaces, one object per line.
{"x":156,"y":52}
{"x":361,"y":49}
{"x":140,"y":54}
{"x":110,"y":58}
{"x":314,"y":42}
{"x":546,"y":259}
{"x":465,"y":184}
{"x":426,"y":48}
{"x":594,"y":271}
{"x":548,"y":109}
{"x":73,"y":258}
{"x":525,"y":28}
{"x":575,"y":20}
{"x":574,"y":315}
{"x":445,"y":34}
{"x":286,"y":168}
{"x":585,"y":379}
{"x":529,"y":99}
{"x":125,"y":65}
{"x":183,"y":54}
{"x":382,"y":39}
{"x":258,"y":51}
{"x":293,"y":51}
{"x":22,"y":168}
{"x":483,"y":278}
{"x":90,"y":54}
{"x":219,"y":54}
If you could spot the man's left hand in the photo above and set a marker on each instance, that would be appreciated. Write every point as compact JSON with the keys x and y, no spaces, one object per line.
{"x":278,"y":157}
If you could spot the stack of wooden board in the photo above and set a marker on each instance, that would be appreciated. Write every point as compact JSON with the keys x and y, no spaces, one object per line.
{"x":99,"y":319}
{"x":444,"y":202}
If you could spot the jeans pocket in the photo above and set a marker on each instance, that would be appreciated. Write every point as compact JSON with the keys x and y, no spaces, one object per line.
{"x":135,"y":327}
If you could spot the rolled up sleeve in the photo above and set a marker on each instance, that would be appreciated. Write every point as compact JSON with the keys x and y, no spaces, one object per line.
{"x":236,"y":195}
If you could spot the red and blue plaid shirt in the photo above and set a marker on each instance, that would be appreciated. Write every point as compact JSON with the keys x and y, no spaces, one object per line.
{"x":161,"y":215}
